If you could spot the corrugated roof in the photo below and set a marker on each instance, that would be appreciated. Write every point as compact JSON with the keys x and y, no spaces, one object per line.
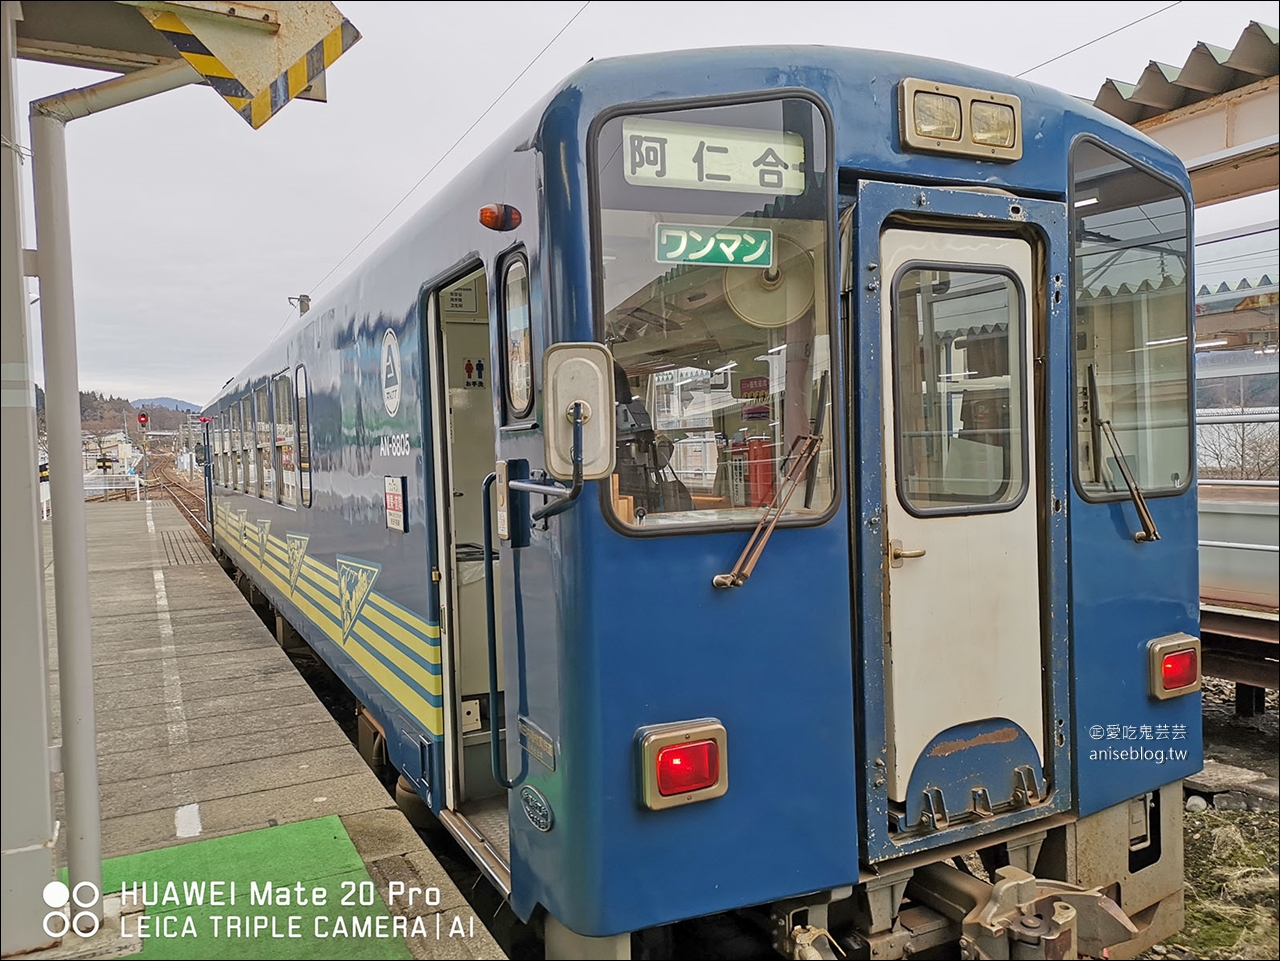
{"x":1209,"y":71}
{"x":1243,"y":287}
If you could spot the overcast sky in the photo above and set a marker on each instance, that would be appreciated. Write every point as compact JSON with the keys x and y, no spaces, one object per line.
{"x":190,"y":230}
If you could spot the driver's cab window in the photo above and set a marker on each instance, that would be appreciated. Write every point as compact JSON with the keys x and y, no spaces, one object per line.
{"x":713,"y":250}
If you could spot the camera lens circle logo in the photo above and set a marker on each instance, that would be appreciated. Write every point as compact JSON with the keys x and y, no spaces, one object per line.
{"x":391,"y":372}
{"x":71,"y":909}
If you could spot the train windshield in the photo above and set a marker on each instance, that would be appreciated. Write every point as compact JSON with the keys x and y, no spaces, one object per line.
{"x":1132,"y":326}
{"x":713,"y":254}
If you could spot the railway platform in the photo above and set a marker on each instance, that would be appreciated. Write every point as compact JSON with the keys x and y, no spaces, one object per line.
{"x":222,"y":773}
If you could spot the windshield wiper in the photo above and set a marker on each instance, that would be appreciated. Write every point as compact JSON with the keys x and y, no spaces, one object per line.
{"x":802,"y":463}
{"x":1103,"y":426}
{"x":803,"y":450}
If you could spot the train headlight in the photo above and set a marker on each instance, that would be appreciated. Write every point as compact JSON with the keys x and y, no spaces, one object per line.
{"x":992,"y":124}
{"x":947,"y":118}
{"x":1173,"y":664}
{"x":937,"y":116}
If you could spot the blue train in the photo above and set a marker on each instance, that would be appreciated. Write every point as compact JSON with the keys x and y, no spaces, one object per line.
{"x":761,"y":481}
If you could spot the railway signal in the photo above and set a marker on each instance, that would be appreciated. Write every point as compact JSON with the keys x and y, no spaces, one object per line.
{"x":142,"y":420}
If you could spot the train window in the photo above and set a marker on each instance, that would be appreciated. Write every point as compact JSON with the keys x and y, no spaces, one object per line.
{"x":215,"y":447}
{"x":265,"y":450}
{"x":285,"y":459}
{"x":960,"y":394}
{"x":216,"y":433}
{"x":230,"y":445}
{"x":237,"y":453}
{"x":712,"y":254}
{"x":518,"y":337}
{"x":1132,"y":326}
{"x":228,"y":479}
{"x":304,"y":438}
{"x":247,"y":456}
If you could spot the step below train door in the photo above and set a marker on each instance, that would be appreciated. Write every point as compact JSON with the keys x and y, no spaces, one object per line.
{"x":969,"y":744}
{"x":475,"y":805}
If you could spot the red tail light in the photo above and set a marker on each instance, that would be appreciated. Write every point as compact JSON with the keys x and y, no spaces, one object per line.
{"x":1173,"y":666}
{"x":682,"y":762}
{"x":688,"y":767}
{"x":1179,"y":669}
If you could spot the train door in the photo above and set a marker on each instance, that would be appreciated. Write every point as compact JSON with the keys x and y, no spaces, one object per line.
{"x":474,"y":806}
{"x":964,"y":700}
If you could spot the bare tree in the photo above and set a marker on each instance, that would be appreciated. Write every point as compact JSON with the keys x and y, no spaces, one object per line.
{"x":111,"y":422}
{"x":1262,"y":451}
{"x":1239,"y":451}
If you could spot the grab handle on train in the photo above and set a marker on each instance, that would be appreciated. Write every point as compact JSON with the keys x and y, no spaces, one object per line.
{"x":563,"y":496}
{"x":561,"y":503}
{"x":491,"y":620}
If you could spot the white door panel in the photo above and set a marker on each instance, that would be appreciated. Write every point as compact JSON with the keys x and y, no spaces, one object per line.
{"x":959,"y":449}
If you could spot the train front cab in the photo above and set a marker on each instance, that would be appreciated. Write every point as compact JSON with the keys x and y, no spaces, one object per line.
{"x":964,"y":633}
{"x":1001,"y":425}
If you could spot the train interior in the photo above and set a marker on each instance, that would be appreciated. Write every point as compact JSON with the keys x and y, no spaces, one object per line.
{"x":467,"y":392}
{"x":719,"y":371}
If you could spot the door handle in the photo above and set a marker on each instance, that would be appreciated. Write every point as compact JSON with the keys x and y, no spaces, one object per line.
{"x":896,"y":553}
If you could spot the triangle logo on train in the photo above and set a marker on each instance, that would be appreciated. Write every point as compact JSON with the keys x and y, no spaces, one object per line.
{"x":297,"y":545}
{"x":355,"y":583}
{"x":244,"y":528}
{"x":264,"y":534}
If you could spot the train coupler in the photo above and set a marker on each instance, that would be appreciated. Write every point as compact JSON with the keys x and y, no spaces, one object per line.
{"x":1022,"y":916}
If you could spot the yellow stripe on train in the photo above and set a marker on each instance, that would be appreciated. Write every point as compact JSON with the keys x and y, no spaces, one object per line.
{"x":430,"y":716}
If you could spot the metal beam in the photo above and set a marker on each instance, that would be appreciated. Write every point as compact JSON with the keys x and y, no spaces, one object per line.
{"x":81,"y":55}
{"x":1230,"y":143}
{"x":74,"y":104}
{"x":1242,"y":668}
{"x":254,"y":16}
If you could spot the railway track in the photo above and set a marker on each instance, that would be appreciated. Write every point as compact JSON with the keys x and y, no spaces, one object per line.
{"x":187,"y":499}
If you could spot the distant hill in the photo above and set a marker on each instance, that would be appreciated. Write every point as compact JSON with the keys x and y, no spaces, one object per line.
{"x":170,"y":402}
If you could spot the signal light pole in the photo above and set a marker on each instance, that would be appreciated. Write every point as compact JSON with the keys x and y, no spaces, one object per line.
{"x":142,"y":423}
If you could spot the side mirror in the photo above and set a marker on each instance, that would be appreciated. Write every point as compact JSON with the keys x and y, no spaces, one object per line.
{"x":578,"y":374}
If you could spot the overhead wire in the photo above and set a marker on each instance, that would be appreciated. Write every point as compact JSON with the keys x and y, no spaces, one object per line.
{"x":443,"y":157}
{"x":1132,"y":23}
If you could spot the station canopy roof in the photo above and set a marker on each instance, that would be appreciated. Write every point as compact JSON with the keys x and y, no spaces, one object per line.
{"x":1209,"y":70}
{"x":258,"y":56}
{"x":102,"y":35}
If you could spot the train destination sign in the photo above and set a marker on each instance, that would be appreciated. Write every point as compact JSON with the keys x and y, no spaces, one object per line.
{"x":700,"y":244}
{"x":662,"y":153}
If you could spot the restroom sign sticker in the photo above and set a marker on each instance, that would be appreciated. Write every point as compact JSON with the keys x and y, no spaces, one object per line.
{"x":473,"y":372}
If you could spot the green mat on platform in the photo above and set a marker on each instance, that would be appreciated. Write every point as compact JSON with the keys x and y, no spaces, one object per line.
{"x":317,"y":853}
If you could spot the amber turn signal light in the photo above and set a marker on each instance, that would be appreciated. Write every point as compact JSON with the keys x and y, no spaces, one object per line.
{"x":499,"y":217}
